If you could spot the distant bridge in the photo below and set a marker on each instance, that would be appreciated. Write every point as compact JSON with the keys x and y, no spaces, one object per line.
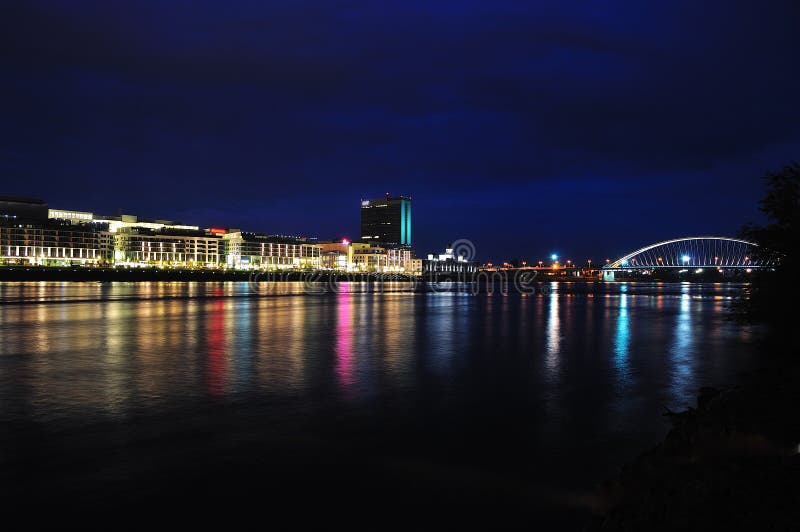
{"x":722,"y":253}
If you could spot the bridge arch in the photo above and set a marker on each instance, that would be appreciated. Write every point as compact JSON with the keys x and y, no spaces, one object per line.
{"x":692,"y":252}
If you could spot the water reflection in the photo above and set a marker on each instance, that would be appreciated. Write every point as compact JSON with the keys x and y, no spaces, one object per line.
{"x":101,"y":348}
{"x":553,"y":335}
{"x":345,"y":358}
{"x":622,"y":345}
{"x":682,"y":350}
{"x":215,"y":349}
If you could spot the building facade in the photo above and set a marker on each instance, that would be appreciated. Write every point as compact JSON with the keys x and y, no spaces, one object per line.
{"x":33,"y":234}
{"x":368,"y":257}
{"x":254,"y":251}
{"x":337,"y":255}
{"x":51,"y":243}
{"x":386,"y":221}
{"x":141,"y":246}
{"x":448,"y":262}
{"x":398,"y":260}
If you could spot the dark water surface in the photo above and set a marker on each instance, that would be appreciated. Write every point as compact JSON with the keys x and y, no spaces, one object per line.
{"x":206,"y":401}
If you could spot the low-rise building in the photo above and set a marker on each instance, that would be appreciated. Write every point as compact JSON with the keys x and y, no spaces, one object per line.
{"x":398,"y":260}
{"x":369,"y":257}
{"x":51,"y":243}
{"x":141,"y":246}
{"x":337,"y":255}
{"x":448,"y":262}
{"x":255,"y":251}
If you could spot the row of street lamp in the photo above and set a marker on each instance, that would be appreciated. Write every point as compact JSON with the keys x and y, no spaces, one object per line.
{"x":554,"y":263}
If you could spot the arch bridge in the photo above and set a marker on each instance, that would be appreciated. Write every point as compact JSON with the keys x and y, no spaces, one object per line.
{"x":722,"y":253}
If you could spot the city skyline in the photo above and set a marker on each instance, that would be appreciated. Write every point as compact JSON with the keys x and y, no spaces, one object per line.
{"x":462,"y":264}
{"x":528,"y":129}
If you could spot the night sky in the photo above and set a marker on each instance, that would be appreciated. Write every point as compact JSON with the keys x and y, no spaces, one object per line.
{"x":582,"y":128}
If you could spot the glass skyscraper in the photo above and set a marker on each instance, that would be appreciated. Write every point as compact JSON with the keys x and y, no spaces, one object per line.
{"x":386,"y":220}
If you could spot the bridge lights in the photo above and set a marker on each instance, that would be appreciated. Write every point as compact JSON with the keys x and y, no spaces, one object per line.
{"x":686,"y":259}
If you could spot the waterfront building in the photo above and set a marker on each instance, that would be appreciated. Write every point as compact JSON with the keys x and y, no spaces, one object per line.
{"x":126,"y":221}
{"x":34,"y":234}
{"x":116,"y":223}
{"x":386,"y":221}
{"x":246,"y":251}
{"x":448,"y":262}
{"x":369,"y":257}
{"x":51,"y":243}
{"x":142,"y":246}
{"x":127,"y":240}
{"x":337,"y":255}
{"x":399,"y":260}
{"x":73,"y":217}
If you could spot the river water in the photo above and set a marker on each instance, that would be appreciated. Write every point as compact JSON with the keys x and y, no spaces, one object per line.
{"x":202,"y":400}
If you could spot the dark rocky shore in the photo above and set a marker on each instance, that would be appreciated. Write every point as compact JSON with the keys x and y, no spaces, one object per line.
{"x":732,"y":463}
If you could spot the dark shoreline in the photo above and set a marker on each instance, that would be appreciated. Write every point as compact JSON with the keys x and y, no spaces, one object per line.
{"x":33,"y":273}
{"x":731,"y":463}
{"x":510,"y":277}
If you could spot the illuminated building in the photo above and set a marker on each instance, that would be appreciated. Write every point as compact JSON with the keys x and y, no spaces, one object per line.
{"x":337,"y":255}
{"x":369,"y":257}
{"x":129,"y":241}
{"x":141,"y":246}
{"x":448,"y":262}
{"x":386,"y":221}
{"x":123,"y":221}
{"x":50,"y":243}
{"x":28,"y":237}
{"x":115,"y":223}
{"x":399,"y":260}
{"x":245,"y":251}
{"x":74,"y":217}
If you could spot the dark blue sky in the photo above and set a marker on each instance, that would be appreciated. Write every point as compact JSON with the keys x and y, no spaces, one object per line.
{"x":585,"y":128}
